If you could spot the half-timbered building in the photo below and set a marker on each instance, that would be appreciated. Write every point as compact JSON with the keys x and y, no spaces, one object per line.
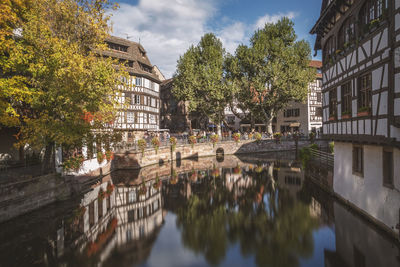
{"x":139,"y":97}
{"x":360,"y":43}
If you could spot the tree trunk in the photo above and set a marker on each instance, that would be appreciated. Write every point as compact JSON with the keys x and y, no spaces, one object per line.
{"x":269,"y":125}
{"x":252,"y":123}
{"x":48,"y":159}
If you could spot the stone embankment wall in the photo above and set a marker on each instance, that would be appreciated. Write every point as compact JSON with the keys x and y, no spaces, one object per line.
{"x":24,"y":196}
{"x":136,"y":160}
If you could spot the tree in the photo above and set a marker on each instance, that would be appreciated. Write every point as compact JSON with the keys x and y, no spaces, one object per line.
{"x":199,"y":79}
{"x":271,"y":72}
{"x":51,"y":74}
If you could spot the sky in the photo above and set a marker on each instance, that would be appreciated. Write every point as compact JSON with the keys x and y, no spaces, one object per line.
{"x":167,"y":28}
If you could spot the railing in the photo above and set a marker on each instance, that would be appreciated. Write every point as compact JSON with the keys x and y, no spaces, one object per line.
{"x":184,"y":140}
{"x":322,"y":158}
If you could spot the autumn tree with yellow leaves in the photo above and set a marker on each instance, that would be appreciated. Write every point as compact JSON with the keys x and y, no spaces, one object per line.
{"x":51,"y":74}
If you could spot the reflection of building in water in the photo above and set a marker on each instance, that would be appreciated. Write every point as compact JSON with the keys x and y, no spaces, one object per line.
{"x":289,"y":176}
{"x":138,"y":211}
{"x":358,"y":243}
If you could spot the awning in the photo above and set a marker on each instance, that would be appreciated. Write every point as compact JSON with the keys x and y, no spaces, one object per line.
{"x":295,"y":124}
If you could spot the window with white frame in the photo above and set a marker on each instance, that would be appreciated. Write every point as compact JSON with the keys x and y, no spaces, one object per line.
{"x":152,"y":119}
{"x":153,"y":102}
{"x":130,"y":117}
{"x":138,"y":81}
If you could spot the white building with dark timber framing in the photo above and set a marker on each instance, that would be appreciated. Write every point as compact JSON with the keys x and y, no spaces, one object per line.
{"x":360,"y":43}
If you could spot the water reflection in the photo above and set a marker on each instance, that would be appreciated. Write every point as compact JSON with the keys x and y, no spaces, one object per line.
{"x":243,"y":211}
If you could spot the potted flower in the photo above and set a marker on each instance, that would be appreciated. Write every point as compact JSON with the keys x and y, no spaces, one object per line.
{"x":101,"y":195}
{"x":258,"y":137}
{"x":110,"y":189}
{"x":192,"y":140}
{"x":142,"y":189}
{"x":236,"y":137}
{"x":346,"y":115}
{"x":73,"y":163}
{"x":215,"y":173}
{"x":109,"y":155}
{"x":174,"y":178}
{"x":142,"y":145}
{"x":100,"y":157}
{"x":259,"y":169}
{"x":172,"y":142}
{"x":214,"y":139}
{"x":237,"y":170}
{"x":250,"y":136}
{"x":277,"y":136}
{"x":157,"y":183}
{"x":155,"y":142}
{"x":364,"y":111}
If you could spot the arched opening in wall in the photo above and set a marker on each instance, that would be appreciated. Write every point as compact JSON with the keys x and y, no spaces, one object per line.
{"x":220,"y":154}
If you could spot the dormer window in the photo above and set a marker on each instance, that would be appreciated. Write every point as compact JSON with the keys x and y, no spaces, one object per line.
{"x":145,"y":67}
{"x":371,"y":13}
{"x":118,"y":47}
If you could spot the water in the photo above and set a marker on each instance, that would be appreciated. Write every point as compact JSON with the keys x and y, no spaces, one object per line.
{"x":247,"y":211}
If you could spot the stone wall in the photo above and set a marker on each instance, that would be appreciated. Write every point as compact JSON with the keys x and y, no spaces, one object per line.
{"x":135,"y":159}
{"x":24,"y":196}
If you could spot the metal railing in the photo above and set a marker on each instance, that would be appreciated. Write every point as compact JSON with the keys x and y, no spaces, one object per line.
{"x":322,"y":158}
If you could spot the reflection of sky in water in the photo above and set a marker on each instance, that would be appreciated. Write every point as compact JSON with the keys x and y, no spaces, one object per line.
{"x":324,"y":239}
{"x":168,"y":251}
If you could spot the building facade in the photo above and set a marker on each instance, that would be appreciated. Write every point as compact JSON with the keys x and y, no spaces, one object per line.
{"x":139,"y":97}
{"x":304,"y":117}
{"x":360,"y":42}
{"x":297,"y":117}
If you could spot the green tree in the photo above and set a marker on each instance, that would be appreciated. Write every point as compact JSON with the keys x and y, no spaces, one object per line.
{"x":52,"y":75}
{"x":199,"y":79}
{"x":271,"y":72}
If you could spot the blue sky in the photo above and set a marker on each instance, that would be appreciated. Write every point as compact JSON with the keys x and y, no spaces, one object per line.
{"x":166,"y":28}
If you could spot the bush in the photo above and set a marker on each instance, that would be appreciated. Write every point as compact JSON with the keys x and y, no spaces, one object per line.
{"x":100,"y":157}
{"x":332,"y":147}
{"x":314,"y":146}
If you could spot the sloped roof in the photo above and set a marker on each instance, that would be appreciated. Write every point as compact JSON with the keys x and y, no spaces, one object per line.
{"x":135,"y":53}
{"x":316,"y":64}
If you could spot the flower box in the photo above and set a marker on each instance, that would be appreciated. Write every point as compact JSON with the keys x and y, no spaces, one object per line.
{"x":346,"y":116}
{"x":363,"y":113}
{"x":332,"y":118}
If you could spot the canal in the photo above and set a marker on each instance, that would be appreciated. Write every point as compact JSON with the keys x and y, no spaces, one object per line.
{"x":234,"y":211}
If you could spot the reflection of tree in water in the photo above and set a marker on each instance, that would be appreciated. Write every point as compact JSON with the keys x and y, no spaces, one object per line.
{"x":265,"y":220}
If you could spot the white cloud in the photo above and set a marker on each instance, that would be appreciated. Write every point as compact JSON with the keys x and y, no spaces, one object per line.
{"x":267,"y":18}
{"x":167,"y":28}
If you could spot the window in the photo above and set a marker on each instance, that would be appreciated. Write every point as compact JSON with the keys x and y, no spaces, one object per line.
{"x":372,"y":12}
{"x":346,"y":33}
{"x":91,"y":214}
{"x":291,"y":113}
{"x":319,"y":98}
{"x":329,"y":49}
{"x":131,"y":215}
{"x":318,"y":112}
{"x":364,"y":93}
{"x":145,"y":100}
{"x":153,"y":102}
{"x":387,"y":167}
{"x":152,"y":85}
{"x":333,"y":104}
{"x":145,"y":120}
{"x":137,"y":99}
{"x":346,"y":98}
{"x":358,"y":160}
{"x":152,"y":119}
{"x":117,"y":47}
{"x":132,"y":196}
{"x":100,"y":208}
{"x":138,"y":81}
{"x":130,"y":118}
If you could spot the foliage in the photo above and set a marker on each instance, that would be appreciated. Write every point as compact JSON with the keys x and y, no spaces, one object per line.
{"x":314,"y":146}
{"x":50,"y":71}
{"x":172,"y":141}
{"x":109,"y":155}
{"x":214,"y":139}
{"x":73,"y":163}
{"x":142,"y":145}
{"x":155,"y":142}
{"x":274,"y":70}
{"x":258,"y":136}
{"x":332,"y":147}
{"x":100,"y":157}
{"x":305,"y":156}
{"x":199,"y":79}
{"x":142,"y":189}
{"x":277,"y":135}
{"x":192,"y":140}
{"x":102,"y":195}
{"x":236,"y":137}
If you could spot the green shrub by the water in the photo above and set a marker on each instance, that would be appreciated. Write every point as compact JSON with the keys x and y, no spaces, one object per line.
{"x":332,"y":147}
